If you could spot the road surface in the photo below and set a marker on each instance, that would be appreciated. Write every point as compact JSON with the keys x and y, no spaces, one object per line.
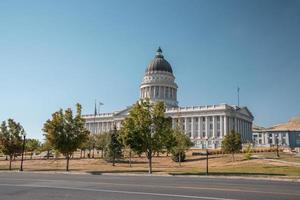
{"x":53,"y":186}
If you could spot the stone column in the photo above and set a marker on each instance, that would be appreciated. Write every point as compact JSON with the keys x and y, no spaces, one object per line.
{"x":192,"y":127}
{"x":214,"y":127}
{"x":199,"y":127}
{"x":221,"y":126}
{"x":235,"y":124}
{"x":185,"y":125}
{"x":206,"y":127}
{"x":225,"y":125}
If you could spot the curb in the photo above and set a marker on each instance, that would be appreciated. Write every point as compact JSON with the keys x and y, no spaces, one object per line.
{"x":282,"y":179}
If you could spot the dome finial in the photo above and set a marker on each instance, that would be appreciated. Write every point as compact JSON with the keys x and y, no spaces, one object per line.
{"x":159,"y":50}
{"x":159,"y":53}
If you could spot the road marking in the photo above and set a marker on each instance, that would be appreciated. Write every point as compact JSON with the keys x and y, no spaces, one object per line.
{"x":246,"y":190}
{"x":118,"y":191}
{"x":196,"y":187}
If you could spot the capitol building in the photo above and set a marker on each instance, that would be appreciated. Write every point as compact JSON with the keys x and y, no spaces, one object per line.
{"x":205,"y":125}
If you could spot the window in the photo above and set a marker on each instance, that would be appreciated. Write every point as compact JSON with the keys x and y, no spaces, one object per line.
{"x":270,"y":141}
{"x":156,"y":91}
{"x":283,"y":141}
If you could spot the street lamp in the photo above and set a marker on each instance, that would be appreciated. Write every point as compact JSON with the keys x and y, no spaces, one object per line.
{"x":23,"y":149}
{"x":206,"y":156}
{"x":277,"y":150}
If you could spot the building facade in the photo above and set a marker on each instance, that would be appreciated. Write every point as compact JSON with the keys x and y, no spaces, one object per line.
{"x":285,"y":135}
{"x":205,"y":125}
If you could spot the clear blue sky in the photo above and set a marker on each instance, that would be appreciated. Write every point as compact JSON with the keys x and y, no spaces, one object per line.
{"x":56,"y":53}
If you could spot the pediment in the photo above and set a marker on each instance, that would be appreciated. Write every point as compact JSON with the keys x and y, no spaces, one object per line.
{"x":246,"y":111}
{"x":123,"y":113}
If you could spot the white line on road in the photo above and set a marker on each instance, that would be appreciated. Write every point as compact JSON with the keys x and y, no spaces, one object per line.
{"x":116,"y":191}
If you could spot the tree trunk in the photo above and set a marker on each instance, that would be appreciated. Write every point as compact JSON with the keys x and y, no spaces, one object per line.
{"x":80,"y":153}
{"x":68,"y":159}
{"x":48,"y":152}
{"x":179,"y":159}
{"x":10,"y":160}
{"x":102,"y":152}
{"x":232,"y":157}
{"x":114,"y":158}
{"x":150,"y":161}
{"x":83,"y":153}
{"x":129,"y":157}
{"x":31,"y":155}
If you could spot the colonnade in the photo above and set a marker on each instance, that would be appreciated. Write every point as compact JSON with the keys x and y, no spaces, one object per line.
{"x":159,"y":92}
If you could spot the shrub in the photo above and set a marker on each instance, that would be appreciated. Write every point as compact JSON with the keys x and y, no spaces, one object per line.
{"x":248,"y":152}
{"x":175,"y":157}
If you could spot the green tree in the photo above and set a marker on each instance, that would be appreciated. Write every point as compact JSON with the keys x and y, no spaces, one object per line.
{"x":101,"y":142}
{"x":65,"y":132}
{"x":146,"y":128}
{"x":232,"y":143}
{"x":46,"y":146}
{"x":32,"y":145}
{"x":89,"y":145}
{"x":11,"y":138}
{"x":181,"y":145}
{"x":114,"y":147}
{"x":162,"y":126}
{"x":248,"y":152}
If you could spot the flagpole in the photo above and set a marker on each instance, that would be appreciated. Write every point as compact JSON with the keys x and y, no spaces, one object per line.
{"x":238,"y":96}
{"x":95,"y":114}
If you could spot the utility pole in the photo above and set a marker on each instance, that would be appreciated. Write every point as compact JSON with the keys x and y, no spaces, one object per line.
{"x":23,"y":149}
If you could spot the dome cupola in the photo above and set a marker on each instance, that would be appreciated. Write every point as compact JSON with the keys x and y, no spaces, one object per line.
{"x":159,"y":63}
{"x":159,"y":82}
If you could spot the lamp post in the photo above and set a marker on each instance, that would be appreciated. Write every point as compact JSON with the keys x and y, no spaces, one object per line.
{"x":23,"y":149}
{"x":93,"y":156}
{"x":277,"y":150}
{"x":206,"y":157}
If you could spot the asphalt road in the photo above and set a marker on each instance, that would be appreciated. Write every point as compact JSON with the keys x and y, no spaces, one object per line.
{"x":47,"y":186}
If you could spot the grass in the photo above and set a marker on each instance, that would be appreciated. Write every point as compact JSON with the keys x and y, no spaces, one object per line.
{"x":195,"y":165}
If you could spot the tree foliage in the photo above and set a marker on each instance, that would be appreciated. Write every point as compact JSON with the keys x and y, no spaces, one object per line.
{"x":146,"y":129}
{"x":232,"y":143}
{"x":66,"y":133}
{"x":32,"y":145}
{"x":101,"y":142}
{"x":11,"y":138}
{"x":89,"y":144}
{"x":248,"y":152}
{"x":181,"y":144}
{"x":114,"y":147}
